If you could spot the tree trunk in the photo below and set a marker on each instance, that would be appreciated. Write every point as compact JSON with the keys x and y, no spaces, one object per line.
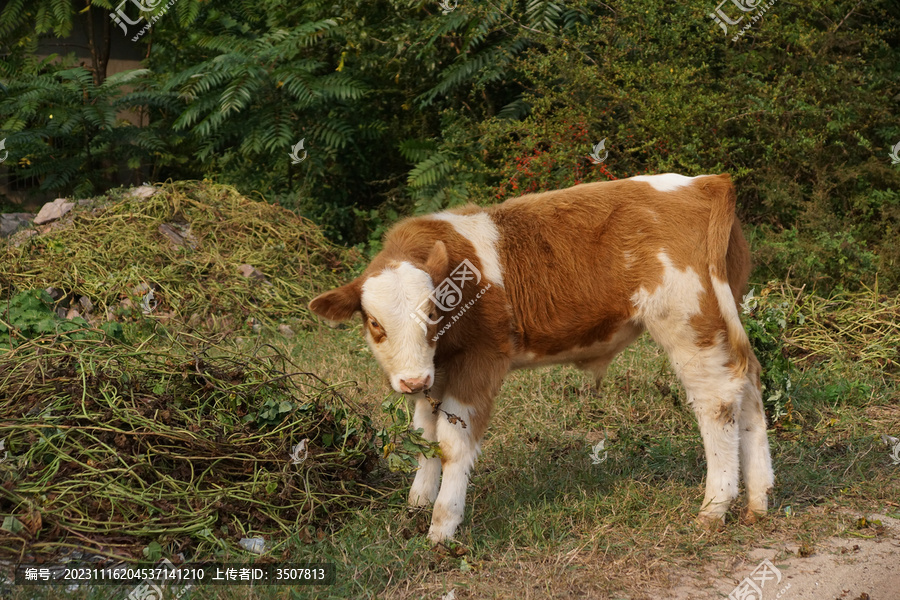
{"x":99,"y":48}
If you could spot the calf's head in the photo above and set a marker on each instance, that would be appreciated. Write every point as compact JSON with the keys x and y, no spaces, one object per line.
{"x":393,"y":296}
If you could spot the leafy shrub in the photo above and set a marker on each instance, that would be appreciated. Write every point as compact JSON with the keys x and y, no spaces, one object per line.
{"x":29,"y":314}
{"x":400,"y":443}
{"x":767,"y":317}
{"x":823,"y":260}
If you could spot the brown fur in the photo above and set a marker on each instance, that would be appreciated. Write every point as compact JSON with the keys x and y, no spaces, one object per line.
{"x":564,"y":254}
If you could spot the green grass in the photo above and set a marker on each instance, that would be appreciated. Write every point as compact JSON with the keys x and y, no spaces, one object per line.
{"x":543,"y":521}
{"x":539,"y":511}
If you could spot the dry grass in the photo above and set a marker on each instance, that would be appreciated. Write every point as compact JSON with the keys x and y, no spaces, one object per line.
{"x":542,"y":520}
{"x":861,"y":327}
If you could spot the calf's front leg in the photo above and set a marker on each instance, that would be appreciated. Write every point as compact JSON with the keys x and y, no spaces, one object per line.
{"x":424,"y":490}
{"x":459,"y":448}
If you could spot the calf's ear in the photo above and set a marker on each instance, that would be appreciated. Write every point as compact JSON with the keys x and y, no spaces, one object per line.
{"x":438,"y":262}
{"x":338,"y":304}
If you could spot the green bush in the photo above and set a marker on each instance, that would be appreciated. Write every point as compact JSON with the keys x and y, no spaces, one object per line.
{"x":823,"y":260}
{"x":767,"y":318}
{"x":406,"y":109}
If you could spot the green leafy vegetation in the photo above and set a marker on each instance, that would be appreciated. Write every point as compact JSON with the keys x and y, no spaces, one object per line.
{"x":767,"y":317}
{"x":169,"y":417}
{"x":405,"y":109}
{"x":29,"y":315}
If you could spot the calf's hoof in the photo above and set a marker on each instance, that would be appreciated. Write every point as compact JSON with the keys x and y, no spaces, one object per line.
{"x":711,"y":522}
{"x":750,"y":516}
{"x":441,"y":532}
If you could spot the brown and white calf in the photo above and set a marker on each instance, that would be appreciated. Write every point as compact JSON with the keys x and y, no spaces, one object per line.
{"x":458,"y":298}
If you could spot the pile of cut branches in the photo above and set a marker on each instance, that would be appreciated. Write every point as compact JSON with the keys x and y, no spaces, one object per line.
{"x":212,"y":258}
{"x":192,"y":446}
{"x":859,"y":327}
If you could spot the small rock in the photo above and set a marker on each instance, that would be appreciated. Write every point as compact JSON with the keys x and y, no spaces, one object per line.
{"x":178,"y":235}
{"x":251,"y":272}
{"x":86,"y":304}
{"x":13,"y":222}
{"x":285,"y":330}
{"x":54,"y":293}
{"x":127,"y":304}
{"x":72,"y":313}
{"x":53,"y":210}
{"x":60,"y":312}
{"x":144,"y":191}
{"x":22,"y":236}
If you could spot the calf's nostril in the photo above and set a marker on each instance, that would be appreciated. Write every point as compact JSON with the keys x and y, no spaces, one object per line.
{"x":413,"y":385}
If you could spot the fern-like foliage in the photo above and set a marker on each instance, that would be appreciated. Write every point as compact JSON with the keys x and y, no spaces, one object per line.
{"x":66,"y":131}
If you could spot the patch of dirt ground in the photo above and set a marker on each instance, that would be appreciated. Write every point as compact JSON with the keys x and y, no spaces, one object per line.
{"x":837,"y":569}
{"x":863,"y":567}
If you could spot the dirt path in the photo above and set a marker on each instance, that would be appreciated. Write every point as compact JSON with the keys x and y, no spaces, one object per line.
{"x":839,"y":568}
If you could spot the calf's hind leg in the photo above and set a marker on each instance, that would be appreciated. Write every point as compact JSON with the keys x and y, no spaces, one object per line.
{"x":756,"y":461}
{"x":715,"y":393}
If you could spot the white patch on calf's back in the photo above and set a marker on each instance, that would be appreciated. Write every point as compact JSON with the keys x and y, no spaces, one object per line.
{"x":665,"y":182}
{"x":391,"y":298}
{"x":481,"y":231}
